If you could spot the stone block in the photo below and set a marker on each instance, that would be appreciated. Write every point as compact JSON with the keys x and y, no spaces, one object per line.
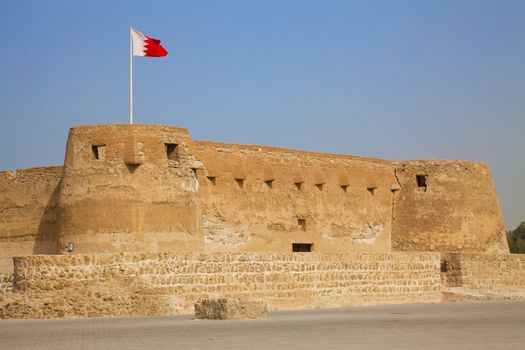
{"x":230,"y":309}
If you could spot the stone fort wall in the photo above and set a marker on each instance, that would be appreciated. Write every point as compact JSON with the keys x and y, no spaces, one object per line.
{"x":159,"y":221}
{"x":261,"y":198}
{"x":484,"y":276}
{"x":151,"y":188}
{"x":166,"y":284}
{"x":28,"y":212}
{"x":129,"y":189}
{"x":457,"y":209}
{"x":265,"y":199}
{"x":170,"y":283}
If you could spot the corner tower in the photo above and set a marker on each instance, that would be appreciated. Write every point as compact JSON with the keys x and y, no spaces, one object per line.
{"x":129,"y":188}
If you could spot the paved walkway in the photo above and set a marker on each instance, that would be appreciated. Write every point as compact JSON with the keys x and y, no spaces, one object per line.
{"x":487,"y":325}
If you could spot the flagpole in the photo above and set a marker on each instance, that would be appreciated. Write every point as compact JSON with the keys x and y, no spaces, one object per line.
{"x":130,"y":76}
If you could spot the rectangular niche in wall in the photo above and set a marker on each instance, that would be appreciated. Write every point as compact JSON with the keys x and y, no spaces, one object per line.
{"x":302,"y":247}
{"x":301,"y":222}
{"x":421,"y":181}
{"x":172,"y":151}
{"x":212,"y":179}
{"x":299,"y":186}
{"x":99,"y":151}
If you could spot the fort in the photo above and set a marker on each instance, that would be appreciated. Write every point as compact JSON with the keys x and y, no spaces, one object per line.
{"x":144,"y":220}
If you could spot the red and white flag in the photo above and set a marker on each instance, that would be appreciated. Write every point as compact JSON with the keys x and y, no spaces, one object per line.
{"x":146,"y":46}
{"x":141,"y":45}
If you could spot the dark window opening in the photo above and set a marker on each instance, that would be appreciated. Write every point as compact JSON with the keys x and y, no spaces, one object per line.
{"x":319,"y":187}
{"x":172,"y":151}
{"x":99,"y":151}
{"x":344,"y":188}
{"x":240,"y":182}
{"x":421,"y":181}
{"x":269,"y":183}
{"x":212,"y":179}
{"x":371,"y":190}
{"x":444,"y":266}
{"x":302,"y":224}
{"x":299,"y":186}
{"x":302,"y":247}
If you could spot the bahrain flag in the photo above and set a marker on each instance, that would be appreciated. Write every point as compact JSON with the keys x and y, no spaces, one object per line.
{"x":146,"y":46}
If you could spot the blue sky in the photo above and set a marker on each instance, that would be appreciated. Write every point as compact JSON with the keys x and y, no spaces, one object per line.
{"x":387,"y":79}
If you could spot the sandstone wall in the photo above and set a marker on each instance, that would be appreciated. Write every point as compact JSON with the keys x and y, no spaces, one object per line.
{"x":265,"y":199}
{"x":457,"y":210}
{"x":28,"y":210}
{"x":6,"y":282}
{"x":149,"y":284}
{"x":485,"y":276}
{"x":151,"y":188}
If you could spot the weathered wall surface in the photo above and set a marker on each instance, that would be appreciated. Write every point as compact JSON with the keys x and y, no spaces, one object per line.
{"x":129,"y":188}
{"x":150,"y":284}
{"x":28,"y":208}
{"x":6,"y":282}
{"x":485,"y":276}
{"x":457,"y":210}
{"x":265,"y":199}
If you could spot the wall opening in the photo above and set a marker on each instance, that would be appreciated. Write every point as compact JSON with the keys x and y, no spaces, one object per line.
{"x":302,"y":247}
{"x":301,"y":222}
{"x":211,"y":179}
{"x":269,"y":183}
{"x":319,"y":187}
{"x":240,"y":182}
{"x":172,"y":151}
{"x":421,"y":181}
{"x":344,"y":188}
{"x":444,"y":266}
{"x":99,"y":151}
{"x":299,"y":186}
{"x":372,"y":190}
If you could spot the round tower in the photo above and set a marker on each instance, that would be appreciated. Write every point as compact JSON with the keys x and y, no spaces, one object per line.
{"x":129,"y":188}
